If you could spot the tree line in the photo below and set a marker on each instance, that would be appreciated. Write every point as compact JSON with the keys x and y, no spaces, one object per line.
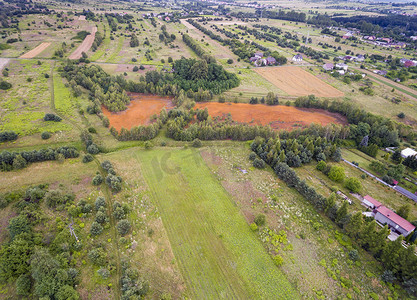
{"x":400,"y":263}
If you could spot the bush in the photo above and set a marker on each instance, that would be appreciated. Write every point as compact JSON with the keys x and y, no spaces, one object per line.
{"x":92,"y":130}
{"x":353,"y":184}
{"x":119,"y":213}
{"x":114,"y":182}
{"x":98,"y":256}
{"x":278,"y":260}
{"x":45,"y":135}
{"x":148,"y":145}
{"x":197,"y":143}
{"x":4,"y":85}
{"x":19,"y":162}
{"x":98,"y":179}
{"x":46,"y":75}
{"x":23,"y":285}
{"x":260,"y":220}
{"x":401,"y":115}
{"x":141,"y":67}
{"x":253,"y":227}
{"x":321,"y":165}
{"x":258,"y":163}
{"x":96,"y":229}
{"x":52,"y":117}
{"x":135,"y":69}
{"x":93,"y":149}
{"x":7,"y":136}
{"x":353,"y":255}
{"x":87,"y":158}
{"x":18,"y":225}
{"x":101,"y":217}
{"x":103,"y":273}
{"x":56,"y":197}
{"x":66,"y":292}
{"x":123,"y":227}
{"x":230,"y":61}
{"x":100,"y":202}
{"x":252,"y":156}
{"x":337,"y":173}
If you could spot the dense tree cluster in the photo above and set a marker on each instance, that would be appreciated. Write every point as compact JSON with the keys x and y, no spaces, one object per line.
{"x":381,"y":131}
{"x":17,"y":160}
{"x":104,"y":89}
{"x":7,"y":136}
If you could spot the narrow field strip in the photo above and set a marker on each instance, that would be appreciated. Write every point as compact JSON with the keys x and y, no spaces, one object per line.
{"x":219,"y":256}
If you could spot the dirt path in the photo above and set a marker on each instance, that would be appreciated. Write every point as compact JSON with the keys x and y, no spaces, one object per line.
{"x":85,"y":45}
{"x":402,"y":89}
{"x":36,"y":51}
{"x":3,"y":62}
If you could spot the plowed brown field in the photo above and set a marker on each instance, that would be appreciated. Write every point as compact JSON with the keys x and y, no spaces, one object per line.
{"x":85,"y":45}
{"x":35,"y":51}
{"x":138,"y":112}
{"x":297,"y":82}
{"x":278,"y":117}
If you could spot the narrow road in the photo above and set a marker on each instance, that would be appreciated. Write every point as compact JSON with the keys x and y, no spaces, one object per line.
{"x":399,"y":189}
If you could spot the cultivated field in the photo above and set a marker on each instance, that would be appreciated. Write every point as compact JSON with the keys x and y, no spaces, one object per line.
{"x":138,"y":112}
{"x":218,"y":255}
{"x":85,"y":45}
{"x":36,"y":51}
{"x":278,"y":117}
{"x":297,"y":82}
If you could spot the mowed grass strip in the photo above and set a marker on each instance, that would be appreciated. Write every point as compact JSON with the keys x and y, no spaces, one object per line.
{"x":219,"y":256}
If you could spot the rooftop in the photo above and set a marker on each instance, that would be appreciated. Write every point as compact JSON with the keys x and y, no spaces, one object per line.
{"x":373,"y":201}
{"x":396,"y":218}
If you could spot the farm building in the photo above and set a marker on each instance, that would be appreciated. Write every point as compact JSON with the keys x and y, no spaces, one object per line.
{"x":258,"y":55}
{"x":328,"y":66}
{"x":271,"y":60}
{"x":386,"y":216}
{"x":408,"y":152}
{"x":342,"y":66}
{"x":347,"y":35}
{"x":370,"y":202}
{"x":297,"y":57}
{"x":360,"y":58}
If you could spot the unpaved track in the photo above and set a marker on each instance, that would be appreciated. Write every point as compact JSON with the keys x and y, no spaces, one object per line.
{"x":3,"y":62}
{"x":297,"y":82}
{"x":36,"y":51}
{"x":85,"y":45}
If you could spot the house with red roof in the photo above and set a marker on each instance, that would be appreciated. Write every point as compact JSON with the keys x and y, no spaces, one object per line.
{"x":385,"y":216}
{"x":396,"y":223}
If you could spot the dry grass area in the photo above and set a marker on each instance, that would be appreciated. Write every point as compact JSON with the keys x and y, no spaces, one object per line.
{"x":85,"y":45}
{"x":278,"y":117}
{"x":139,"y":111}
{"x":36,"y":51}
{"x":297,"y":82}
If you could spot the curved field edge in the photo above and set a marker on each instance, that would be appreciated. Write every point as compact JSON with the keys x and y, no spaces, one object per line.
{"x":219,"y":256}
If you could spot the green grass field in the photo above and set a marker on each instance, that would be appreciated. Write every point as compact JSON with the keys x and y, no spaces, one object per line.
{"x":219,"y":256}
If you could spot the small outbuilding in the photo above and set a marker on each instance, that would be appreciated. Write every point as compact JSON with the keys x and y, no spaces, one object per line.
{"x":328,"y":66}
{"x":297,"y":58}
{"x":408,"y":152}
{"x":370,"y":202}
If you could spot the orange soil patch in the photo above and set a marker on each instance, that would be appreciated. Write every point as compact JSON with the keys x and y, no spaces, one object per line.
{"x":138,"y":112}
{"x":36,"y":51}
{"x":297,"y":82}
{"x":278,"y":117}
{"x":85,"y":45}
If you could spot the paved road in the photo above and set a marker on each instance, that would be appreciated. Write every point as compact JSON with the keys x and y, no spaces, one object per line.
{"x":399,"y":189}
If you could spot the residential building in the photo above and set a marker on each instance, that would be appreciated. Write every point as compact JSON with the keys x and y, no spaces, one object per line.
{"x":328,"y":66}
{"x":297,"y":57}
{"x":370,"y":202}
{"x":396,"y":223}
{"x":408,"y":152}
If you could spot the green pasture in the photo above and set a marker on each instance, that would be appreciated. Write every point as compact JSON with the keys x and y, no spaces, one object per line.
{"x":219,"y":256}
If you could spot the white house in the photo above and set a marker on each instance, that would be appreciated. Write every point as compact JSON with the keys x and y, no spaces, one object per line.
{"x":297,"y":58}
{"x":408,"y":152}
{"x":342,"y":66}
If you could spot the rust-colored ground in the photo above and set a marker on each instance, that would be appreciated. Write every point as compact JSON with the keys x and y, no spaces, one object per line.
{"x":297,"y":82}
{"x":36,"y":51}
{"x":85,"y":45}
{"x":138,"y":112}
{"x":278,"y":117}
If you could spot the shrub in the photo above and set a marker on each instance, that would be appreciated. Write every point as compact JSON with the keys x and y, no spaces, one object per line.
{"x":141,"y":67}
{"x":96,"y":229}
{"x":66,"y":292}
{"x":92,"y":130}
{"x":52,"y":117}
{"x":252,"y":156}
{"x":87,"y":158}
{"x":46,"y":75}
{"x":19,"y":162}
{"x":98,"y":256}
{"x":321,"y":156}
{"x":106,"y":165}
{"x":100,"y":202}
{"x":114,"y":182}
{"x":278,"y":260}
{"x":253,"y":226}
{"x":353,"y":255}
{"x":119,"y":213}
{"x":148,"y":145}
{"x":18,"y":225}
{"x":103,"y":273}
{"x":401,"y":115}
{"x":7,"y":136}
{"x":56,"y":197}
{"x":123,"y":227}
{"x":4,"y":85}
{"x":260,"y":220}
{"x":321,"y":165}
{"x":101,"y":217}
{"x":45,"y":135}
{"x":197,"y":143}
{"x":337,"y":173}
{"x":258,"y":163}
{"x":93,"y":149}
{"x":23,"y":285}
{"x":135,"y":69}
{"x":230,"y":61}
{"x":98,"y":179}
{"x":353,"y":184}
